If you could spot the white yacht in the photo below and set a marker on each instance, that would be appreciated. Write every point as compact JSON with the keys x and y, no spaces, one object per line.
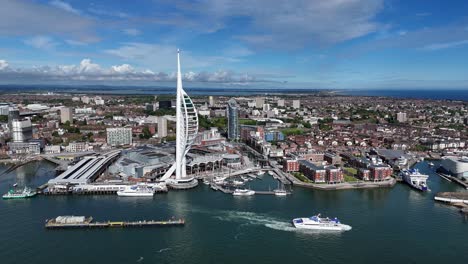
{"x":318,"y":223}
{"x":238,"y":183}
{"x":243,"y":192}
{"x":415,"y":179}
{"x":280,"y":191}
{"x":139,"y":190}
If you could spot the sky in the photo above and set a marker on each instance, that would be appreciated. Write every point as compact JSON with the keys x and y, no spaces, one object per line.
{"x":313,"y":44}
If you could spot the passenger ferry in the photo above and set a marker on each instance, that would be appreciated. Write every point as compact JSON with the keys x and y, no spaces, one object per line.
{"x":318,"y":223}
{"x":14,"y":194}
{"x":243,"y":192}
{"x":415,"y":179}
{"x":140,"y":190}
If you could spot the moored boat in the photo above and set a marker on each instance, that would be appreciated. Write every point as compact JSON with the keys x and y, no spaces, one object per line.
{"x":243,"y":192}
{"x":139,"y":190}
{"x":14,"y":194}
{"x":318,"y":223}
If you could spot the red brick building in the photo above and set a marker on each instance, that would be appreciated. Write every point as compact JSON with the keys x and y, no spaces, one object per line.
{"x":315,"y":173}
{"x":333,"y":175}
{"x":379,"y":172}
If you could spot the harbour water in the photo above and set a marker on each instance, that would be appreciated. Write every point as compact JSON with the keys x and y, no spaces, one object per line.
{"x":398,"y":225}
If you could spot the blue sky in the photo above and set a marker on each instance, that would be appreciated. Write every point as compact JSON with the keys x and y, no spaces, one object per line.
{"x":249,"y":43}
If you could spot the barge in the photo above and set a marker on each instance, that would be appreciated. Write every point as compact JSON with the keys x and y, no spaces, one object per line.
{"x":61,"y":222}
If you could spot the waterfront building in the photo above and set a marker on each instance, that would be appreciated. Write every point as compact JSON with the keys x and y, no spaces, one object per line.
{"x":401,"y":117}
{"x":76,"y":147}
{"x":456,"y":166}
{"x":315,"y":173}
{"x":232,"y":160}
{"x":290,"y":165}
{"x":52,"y":149}
{"x":17,"y":148}
{"x":210,"y":137}
{"x":117,"y":136}
{"x":333,"y":175}
{"x":21,"y":130}
{"x":233,"y":120}
{"x":186,"y":132}
{"x":379,"y":172}
{"x":162,"y":126}
{"x":66,"y":114}
{"x":296,"y":104}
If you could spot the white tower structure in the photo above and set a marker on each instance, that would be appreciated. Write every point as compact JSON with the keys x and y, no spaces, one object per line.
{"x":186,"y":131}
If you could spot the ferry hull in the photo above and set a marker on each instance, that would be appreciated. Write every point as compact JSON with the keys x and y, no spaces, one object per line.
{"x":125,"y":194}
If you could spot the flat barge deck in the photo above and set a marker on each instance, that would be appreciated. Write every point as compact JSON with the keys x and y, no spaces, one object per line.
{"x":69,"y":222}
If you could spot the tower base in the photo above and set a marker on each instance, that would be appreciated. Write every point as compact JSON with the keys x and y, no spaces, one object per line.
{"x":182,"y":184}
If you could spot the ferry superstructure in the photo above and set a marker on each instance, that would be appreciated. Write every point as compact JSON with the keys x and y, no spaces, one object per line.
{"x":318,"y":223}
{"x":415,"y":179}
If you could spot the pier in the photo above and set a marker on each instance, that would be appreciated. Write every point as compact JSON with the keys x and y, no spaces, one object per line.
{"x":62,"y":222}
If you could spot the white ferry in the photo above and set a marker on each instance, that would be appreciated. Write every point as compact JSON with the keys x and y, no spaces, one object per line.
{"x":243,"y":192}
{"x":318,"y":223}
{"x":415,"y":179}
{"x":16,"y":194}
{"x":140,"y":190}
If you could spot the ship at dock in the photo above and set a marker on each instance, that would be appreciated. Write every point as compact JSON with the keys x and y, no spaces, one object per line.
{"x":243,"y":192}
{"x":139,"y":190}
{"x":19,"y":194}
{"x":415,"y":179}
{"x":320,"y":223}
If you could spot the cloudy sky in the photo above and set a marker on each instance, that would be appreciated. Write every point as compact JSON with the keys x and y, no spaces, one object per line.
{"x":249,"y":43}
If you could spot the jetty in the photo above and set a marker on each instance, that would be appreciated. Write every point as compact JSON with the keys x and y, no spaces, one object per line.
{"x":452,"y":197}
{"x":61,"y":222}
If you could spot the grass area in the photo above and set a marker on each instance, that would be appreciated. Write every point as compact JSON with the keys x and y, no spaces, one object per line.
{"x":352,"y":171}
{"x":301,"y":177}
{"x":349,"y":178}
{"x":247,"y":121}
{"x":292,"y":131}
{"x":350,"y":174}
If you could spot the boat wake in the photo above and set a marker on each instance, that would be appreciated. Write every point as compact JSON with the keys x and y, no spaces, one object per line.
{"x":250,"y":218}
{"x":163,"y":249}
{"x":140,"y":259}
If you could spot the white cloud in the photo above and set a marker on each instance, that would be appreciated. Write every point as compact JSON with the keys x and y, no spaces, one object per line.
{"x":161,"y":57}
{"x":132,"y":31}
{"x":41,"y":42}
{"x":87,"y":70}
{"x":109,"y":13}
{"x":445,"y":45}
{"x":3,"y":64}
{"x":26,"y":18}
{"x":289,"y":24}
{"x":64,"y":6}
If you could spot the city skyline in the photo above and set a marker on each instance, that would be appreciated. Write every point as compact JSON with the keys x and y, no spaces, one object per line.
{"x":337,"y":44}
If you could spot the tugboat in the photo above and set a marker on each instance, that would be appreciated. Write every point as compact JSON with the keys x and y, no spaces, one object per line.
{"x":318,"y":223}
{"x":25,"y":193}
{"x":415,"y":179}
{"x":243,"y":192}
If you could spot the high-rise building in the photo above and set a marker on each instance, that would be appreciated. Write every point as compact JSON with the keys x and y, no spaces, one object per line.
{"x":21,"y":130}
{"x":266,"y":107}
{"x":233,"y":119}
{"x":66,"y":114}
{"x":296,"y":104}
{"x":117,"y":136}
{"x":13,"y":114}
{"x":85,"y":99}
{"x":162,"y":127}
{"x":401,"y":117}
{"x":211,"y":101}
{"x":280,"y":103}
{"x":4,"y":109}
{"x":186,"y":132}
{"x":259,"y":101}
